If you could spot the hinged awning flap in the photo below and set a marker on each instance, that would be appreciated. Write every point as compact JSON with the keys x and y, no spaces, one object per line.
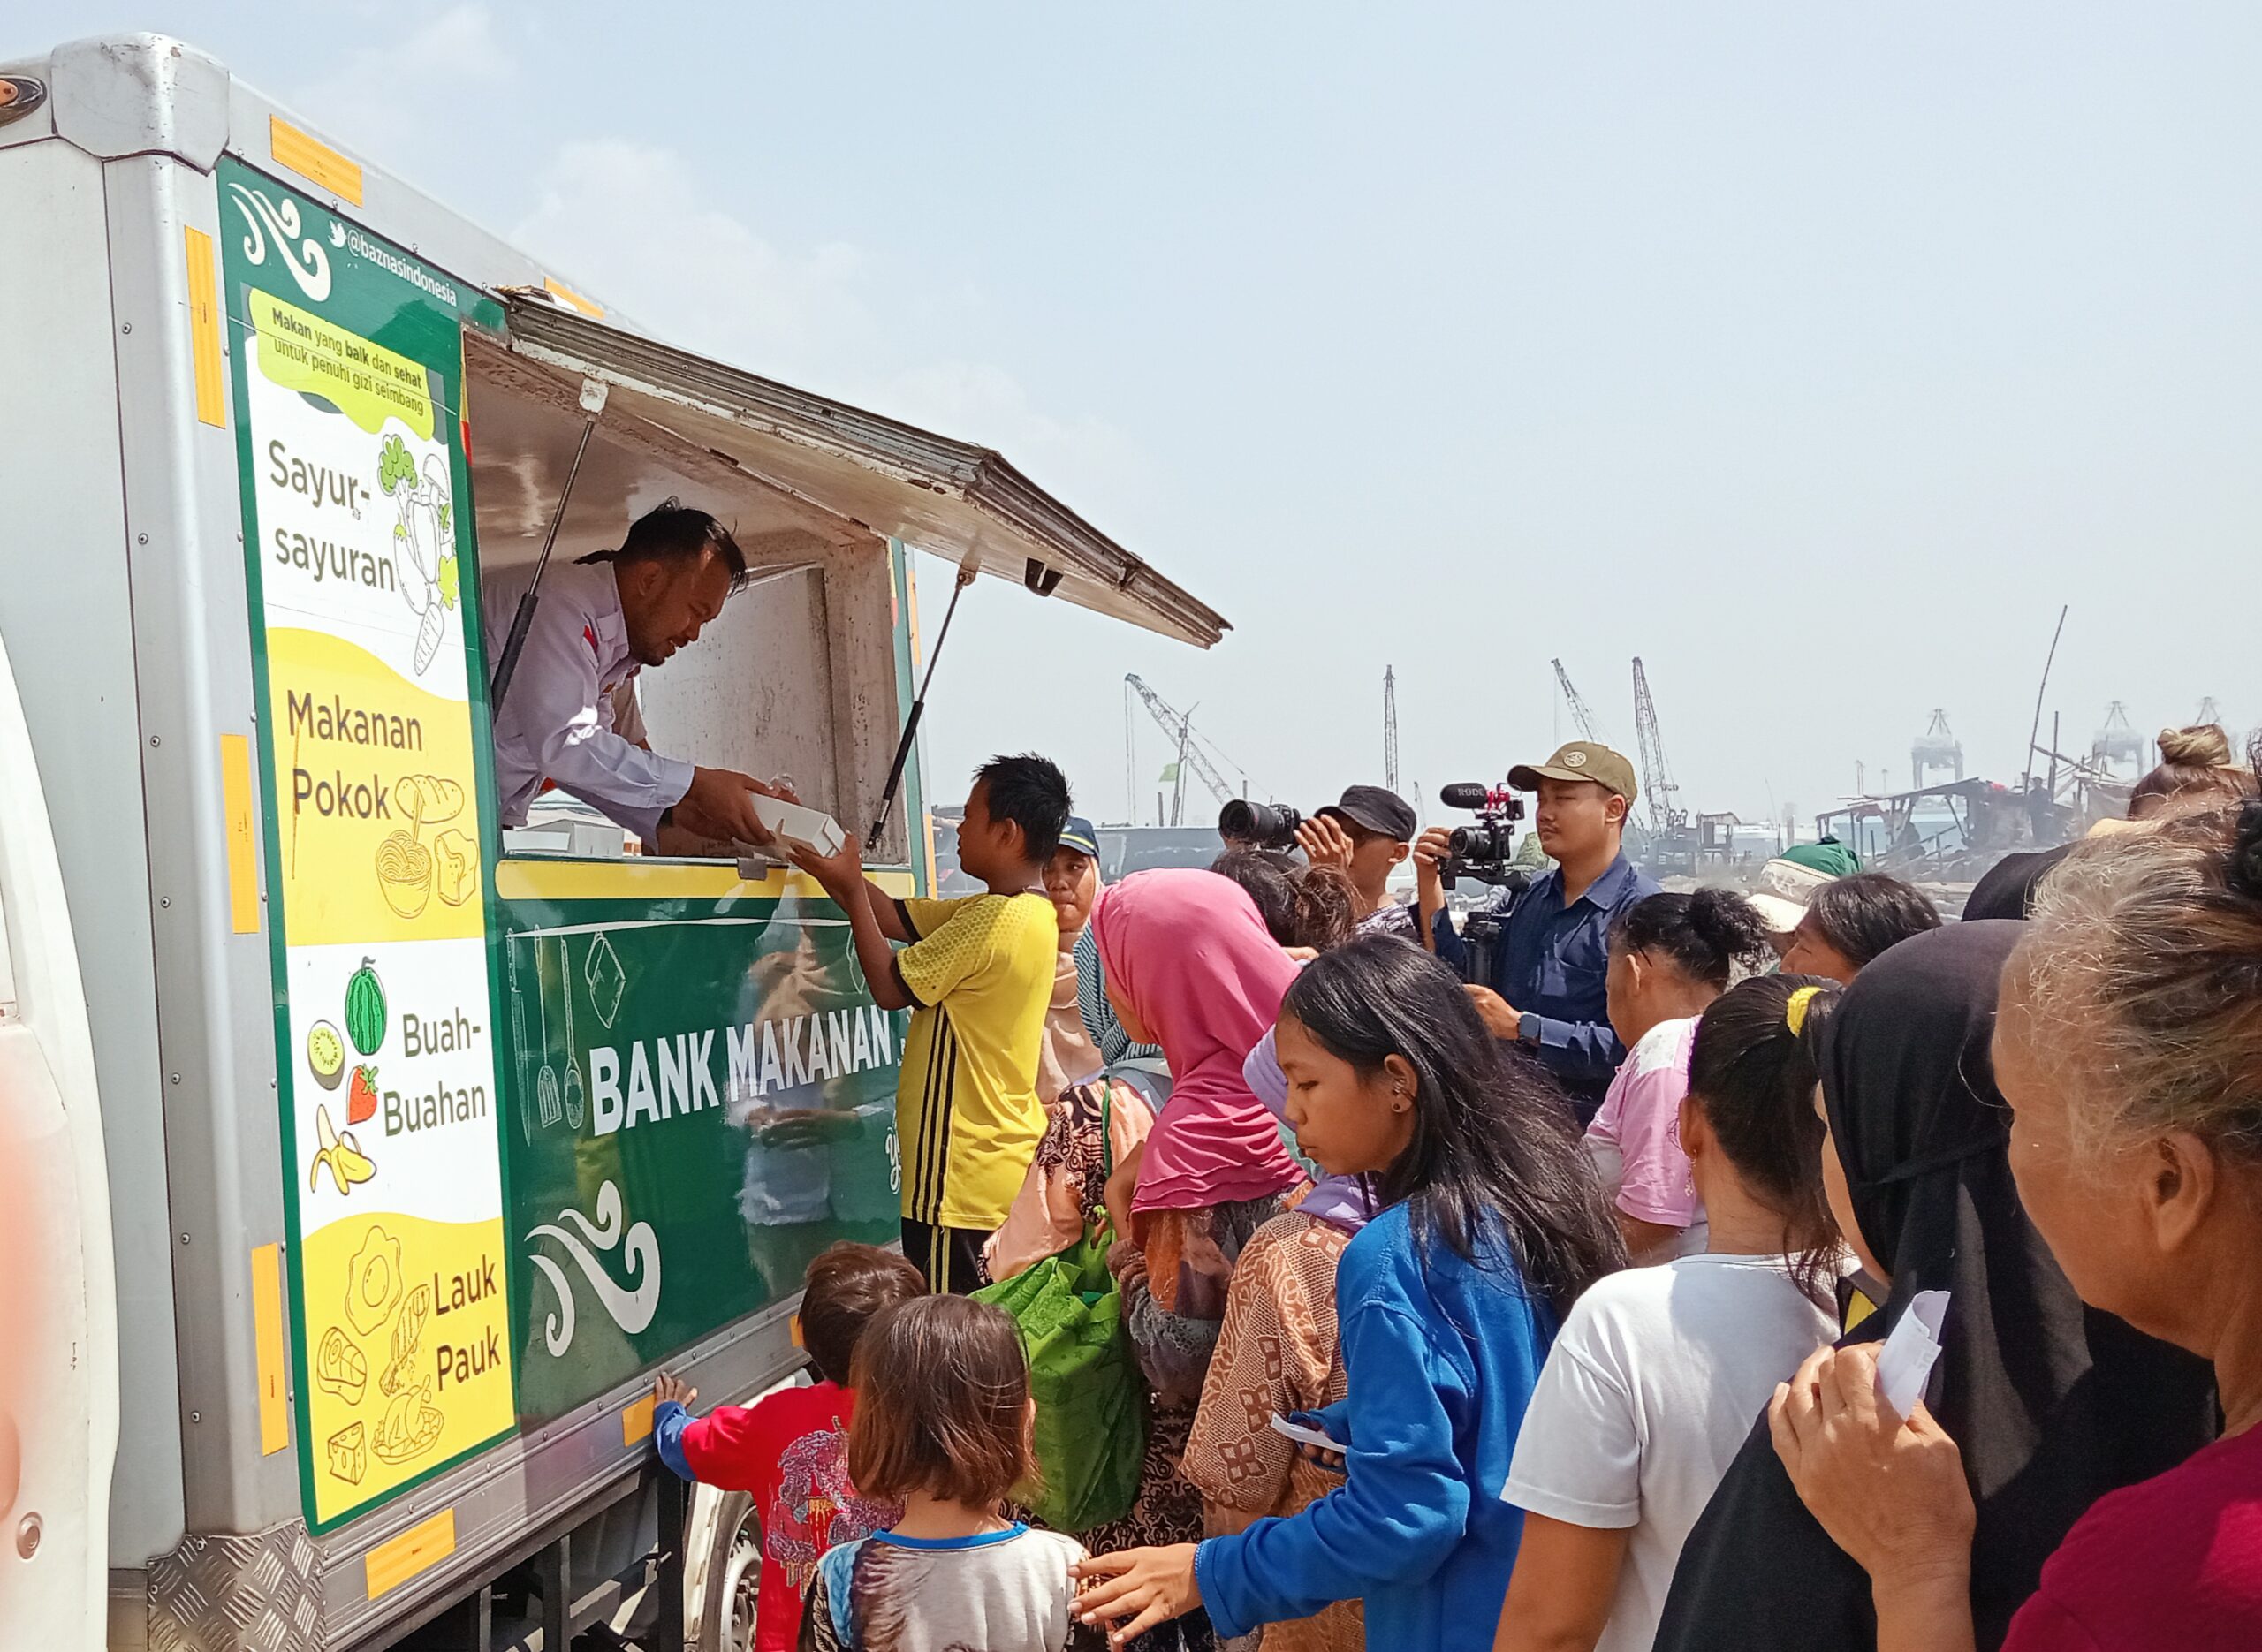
{"x":950,"y":498}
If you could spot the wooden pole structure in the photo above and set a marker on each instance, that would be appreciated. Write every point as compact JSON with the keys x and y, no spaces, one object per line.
{"x":2034,"y":733}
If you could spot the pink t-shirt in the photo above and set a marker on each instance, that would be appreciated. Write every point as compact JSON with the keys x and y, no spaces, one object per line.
{"x":1634,"y":1140}
{"x":2173,"y":1561}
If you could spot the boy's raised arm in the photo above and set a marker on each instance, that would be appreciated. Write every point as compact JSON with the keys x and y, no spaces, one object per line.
{"x":842,"y":875}
{"x":887,"y":912}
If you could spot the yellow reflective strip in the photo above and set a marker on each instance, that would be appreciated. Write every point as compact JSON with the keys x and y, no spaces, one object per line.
{"x":204,"y":327}
{"x":636,"y":878}
{"x":636,"y":1422}
{"x":565,"y":294}
{"x":1859,"y":1308}
{"x":422,"y":1546}
{"x":243,"y":847}
{"x":267,"y":1334}
{"x":313,"y":159}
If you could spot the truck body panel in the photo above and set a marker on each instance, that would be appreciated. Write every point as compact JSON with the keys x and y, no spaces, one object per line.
{"x":422,"y":1147}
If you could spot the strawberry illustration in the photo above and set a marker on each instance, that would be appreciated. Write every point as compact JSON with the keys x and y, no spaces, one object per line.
{"x":361,"y":1100}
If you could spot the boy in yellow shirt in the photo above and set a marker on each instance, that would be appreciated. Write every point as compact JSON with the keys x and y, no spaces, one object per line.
{"x":977,"y":975}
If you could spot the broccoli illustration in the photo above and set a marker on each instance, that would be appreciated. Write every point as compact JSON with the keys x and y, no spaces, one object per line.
{"x":448,"y":588}
{"x":395,"y":468}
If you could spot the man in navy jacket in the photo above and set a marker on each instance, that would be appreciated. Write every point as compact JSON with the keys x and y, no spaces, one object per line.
{"x":1547,"y":992}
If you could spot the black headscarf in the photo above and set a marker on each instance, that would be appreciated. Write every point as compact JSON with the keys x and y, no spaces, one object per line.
{"x":2052,"y":1403}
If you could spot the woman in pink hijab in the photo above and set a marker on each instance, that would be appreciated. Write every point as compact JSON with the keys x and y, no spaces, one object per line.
{"x":1190,"y":966}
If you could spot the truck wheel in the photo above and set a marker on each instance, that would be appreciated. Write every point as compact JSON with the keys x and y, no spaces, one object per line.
{"x":733,"y":1574}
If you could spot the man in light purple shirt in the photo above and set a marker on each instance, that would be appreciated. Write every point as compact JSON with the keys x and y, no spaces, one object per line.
{"x":570,"y":718}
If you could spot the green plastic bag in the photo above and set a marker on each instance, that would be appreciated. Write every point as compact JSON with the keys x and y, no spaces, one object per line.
{"x":1091,"y":1402}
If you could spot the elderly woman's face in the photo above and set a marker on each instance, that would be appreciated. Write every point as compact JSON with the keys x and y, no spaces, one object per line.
{"x":2094,"y":1212}
{"x":1071,"y":881}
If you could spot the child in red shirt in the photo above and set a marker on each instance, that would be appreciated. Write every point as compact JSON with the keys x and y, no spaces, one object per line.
{"x":790,"y":1447}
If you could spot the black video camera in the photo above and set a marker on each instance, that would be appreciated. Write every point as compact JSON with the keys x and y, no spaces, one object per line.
{"x":1261,"y":825}
{"x":1481,"y":850}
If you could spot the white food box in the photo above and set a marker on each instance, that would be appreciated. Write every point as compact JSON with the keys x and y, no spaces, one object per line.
{"x":795,"y":823}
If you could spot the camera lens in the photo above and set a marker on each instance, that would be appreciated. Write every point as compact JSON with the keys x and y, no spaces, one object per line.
{"x":1483,"y":842}
{"x":1267,"y":825}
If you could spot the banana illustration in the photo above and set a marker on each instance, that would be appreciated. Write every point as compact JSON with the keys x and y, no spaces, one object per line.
{"x":348,"y":1164}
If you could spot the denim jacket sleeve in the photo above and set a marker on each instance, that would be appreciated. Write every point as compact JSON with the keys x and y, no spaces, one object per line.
{"x":668,"y":1423}
{"x":1450,"y":950}
{"x":1582,"y":1049}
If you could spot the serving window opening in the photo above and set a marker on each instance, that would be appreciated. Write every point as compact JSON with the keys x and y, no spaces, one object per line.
{"x":797,"y":676}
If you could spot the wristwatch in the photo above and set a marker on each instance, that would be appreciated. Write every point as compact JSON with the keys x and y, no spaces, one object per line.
{"x":1527,"y":1028}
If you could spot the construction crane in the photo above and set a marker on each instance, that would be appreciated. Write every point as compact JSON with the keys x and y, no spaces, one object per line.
{"x":1175,"y":725}
{"x":1390,"y":728}
{"x":1580,"y":716}
{"x":1656,"y":779}
{"x":1935,"y":748}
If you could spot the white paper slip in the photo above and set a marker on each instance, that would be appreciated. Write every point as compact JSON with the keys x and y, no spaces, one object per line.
{"x":1303,"y":1436}
{"x":1905,"y":1363}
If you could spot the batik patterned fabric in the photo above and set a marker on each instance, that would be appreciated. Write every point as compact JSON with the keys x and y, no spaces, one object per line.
{"x":1278,"y":1352}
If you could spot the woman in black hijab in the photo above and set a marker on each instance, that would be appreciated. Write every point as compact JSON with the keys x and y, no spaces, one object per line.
{"x":2053,"y":1403}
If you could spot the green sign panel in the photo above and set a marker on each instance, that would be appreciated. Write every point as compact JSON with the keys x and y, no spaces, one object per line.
{"x":348,"y":389}
{"x":534,"y":1144}
{"x":702,"y":1100}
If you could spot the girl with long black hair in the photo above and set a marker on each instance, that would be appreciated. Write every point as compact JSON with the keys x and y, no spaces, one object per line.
{"x":1492,"y":1224}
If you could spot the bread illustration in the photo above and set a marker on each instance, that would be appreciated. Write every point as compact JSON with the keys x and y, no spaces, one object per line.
{"x":427,"y":800}
{"x":458,"y":876}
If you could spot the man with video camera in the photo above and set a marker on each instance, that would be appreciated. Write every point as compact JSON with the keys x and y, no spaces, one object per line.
{"x":1546,"y":991}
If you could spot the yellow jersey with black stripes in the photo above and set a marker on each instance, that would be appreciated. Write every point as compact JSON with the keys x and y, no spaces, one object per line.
{"x":967,"y":1117}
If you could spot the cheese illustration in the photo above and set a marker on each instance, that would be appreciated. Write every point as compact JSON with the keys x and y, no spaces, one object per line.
{"x":349,"y":1457}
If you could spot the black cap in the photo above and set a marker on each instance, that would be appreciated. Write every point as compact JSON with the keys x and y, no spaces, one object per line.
{"x":1376,"y":809}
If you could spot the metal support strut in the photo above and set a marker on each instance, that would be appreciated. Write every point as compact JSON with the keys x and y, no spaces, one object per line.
{"x":593,"y":397}
{"x":966,"y":576}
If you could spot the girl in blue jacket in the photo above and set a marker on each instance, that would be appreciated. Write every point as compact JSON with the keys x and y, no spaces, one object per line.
{"x":1447,"y":1301}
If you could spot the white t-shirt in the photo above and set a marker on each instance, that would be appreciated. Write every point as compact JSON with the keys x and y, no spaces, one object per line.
{"x":1648,"y":1394}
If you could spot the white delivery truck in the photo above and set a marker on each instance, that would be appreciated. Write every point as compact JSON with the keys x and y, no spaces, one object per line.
{"x":359,"y":1159}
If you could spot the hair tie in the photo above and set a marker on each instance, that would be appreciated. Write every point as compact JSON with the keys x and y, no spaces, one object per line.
{"x":2244,"y":872}
{"x":1794,"y":1011}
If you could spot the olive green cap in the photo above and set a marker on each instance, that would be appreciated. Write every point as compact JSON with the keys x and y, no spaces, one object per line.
{"x":1581,"y":760}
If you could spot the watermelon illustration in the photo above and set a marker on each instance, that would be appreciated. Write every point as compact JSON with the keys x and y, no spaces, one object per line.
{"x":365,"y":1008}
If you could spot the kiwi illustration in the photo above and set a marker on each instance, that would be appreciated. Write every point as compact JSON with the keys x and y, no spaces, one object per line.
{"x":326,"y":1054}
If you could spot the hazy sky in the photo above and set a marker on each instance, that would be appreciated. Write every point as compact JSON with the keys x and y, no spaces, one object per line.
{"x":1816,"y":353}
